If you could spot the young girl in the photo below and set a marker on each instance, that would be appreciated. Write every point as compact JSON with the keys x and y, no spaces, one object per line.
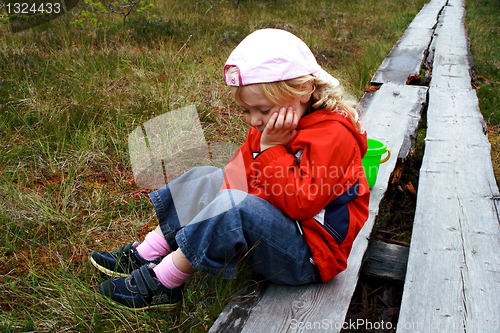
{"x":290,"y":202}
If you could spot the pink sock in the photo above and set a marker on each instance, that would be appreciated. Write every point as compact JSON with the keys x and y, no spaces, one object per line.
{"x":153,"y":246}
{"x":168,"y":274}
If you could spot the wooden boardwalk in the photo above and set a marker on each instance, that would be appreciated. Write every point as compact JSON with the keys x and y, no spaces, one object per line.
{"x":464,"y":235}
{"x":453,"y":274}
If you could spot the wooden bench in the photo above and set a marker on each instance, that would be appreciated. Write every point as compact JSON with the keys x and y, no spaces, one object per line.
{"x":390,"y":114}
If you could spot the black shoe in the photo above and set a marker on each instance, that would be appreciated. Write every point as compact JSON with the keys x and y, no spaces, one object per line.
{"x":142,"y":291}
{"x":121,"y":262}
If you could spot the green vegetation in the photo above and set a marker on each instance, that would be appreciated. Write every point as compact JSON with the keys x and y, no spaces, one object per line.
{"x":71,"y":94}
{"x":483,"y":25}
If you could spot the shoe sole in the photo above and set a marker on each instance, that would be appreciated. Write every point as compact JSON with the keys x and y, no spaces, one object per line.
{"x":106,"y":271}
{"x":167,"y":307}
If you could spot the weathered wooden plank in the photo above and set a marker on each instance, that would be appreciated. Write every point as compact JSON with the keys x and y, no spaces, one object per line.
{"x":234,"y":316}
{"x":386,"y":261}
{"x":450,"y":47}
{"x":453,"y":270}
{"x":391,"y":95}
{"x":408,"y":53}
{"x":389,"y":117}
{"x":453,"y":275}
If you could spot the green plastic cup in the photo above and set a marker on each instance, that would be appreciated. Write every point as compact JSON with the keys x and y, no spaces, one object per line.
{"x":372,"y":159}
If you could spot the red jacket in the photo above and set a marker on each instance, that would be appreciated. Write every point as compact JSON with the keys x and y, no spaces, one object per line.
{"x":317,"y":179}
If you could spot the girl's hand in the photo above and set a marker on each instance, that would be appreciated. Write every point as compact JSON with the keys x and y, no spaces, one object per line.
{"x":279,"y":129}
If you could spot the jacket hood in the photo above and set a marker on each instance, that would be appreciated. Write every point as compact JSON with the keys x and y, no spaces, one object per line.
{"x":323,"y":117}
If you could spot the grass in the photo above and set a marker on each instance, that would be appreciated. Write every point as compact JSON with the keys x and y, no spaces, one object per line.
{"x":69,"y":98}
{"x":483,"y":22}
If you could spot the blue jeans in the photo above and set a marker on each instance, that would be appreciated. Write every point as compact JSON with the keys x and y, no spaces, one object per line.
{"x":217,"y":230}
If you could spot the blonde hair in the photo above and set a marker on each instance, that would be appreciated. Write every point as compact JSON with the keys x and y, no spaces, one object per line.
{"x":324,"y":95}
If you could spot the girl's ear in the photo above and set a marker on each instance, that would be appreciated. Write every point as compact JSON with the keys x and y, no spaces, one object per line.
{"x":307,"y":86}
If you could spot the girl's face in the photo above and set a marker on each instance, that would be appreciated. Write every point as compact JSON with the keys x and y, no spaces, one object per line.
{"x":260,"y":109}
